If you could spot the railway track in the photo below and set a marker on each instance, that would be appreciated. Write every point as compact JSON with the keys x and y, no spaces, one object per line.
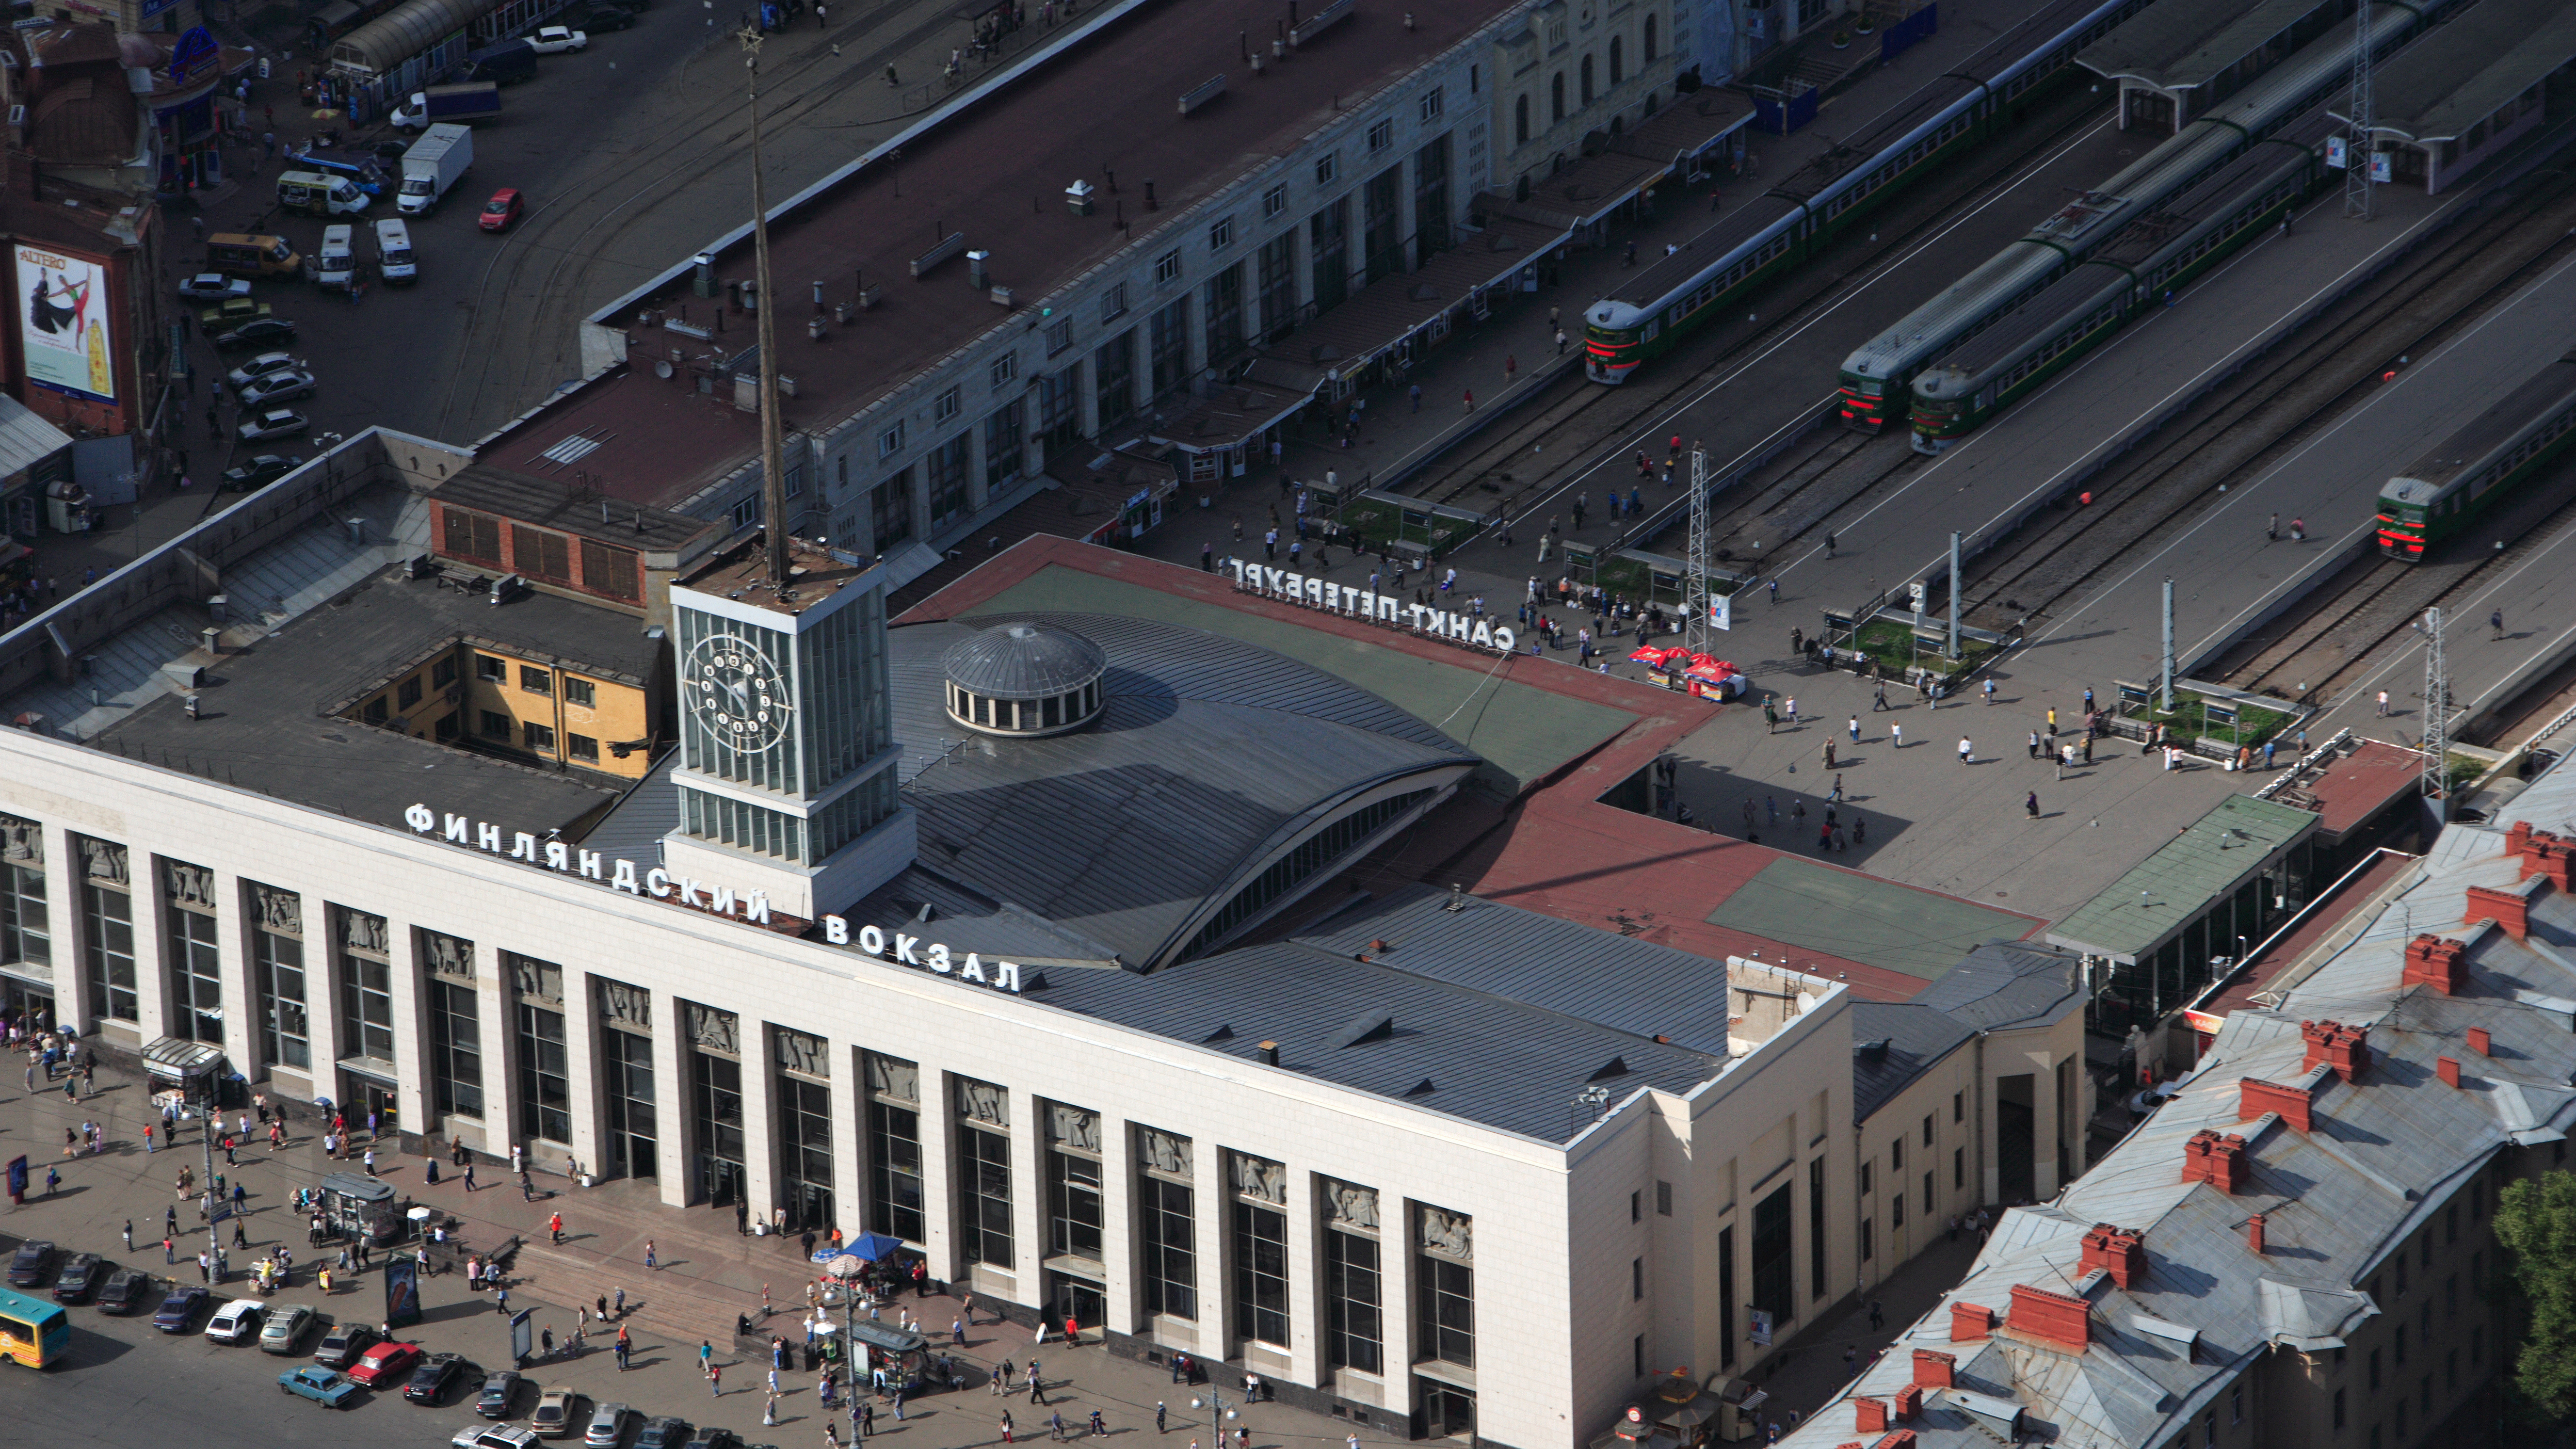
{"x":2157,"y":489}
{"x":1514,"y":468}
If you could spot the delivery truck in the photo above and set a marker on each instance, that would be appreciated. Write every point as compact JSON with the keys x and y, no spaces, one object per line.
{"x":444,"y":153}
{"x":465,"y":101}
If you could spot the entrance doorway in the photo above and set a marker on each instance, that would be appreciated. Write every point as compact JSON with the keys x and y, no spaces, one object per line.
{"x":720,"y":1180}
{"x":1442,"y":1411}
{"x":368,"y":1094}
{"x":809,"y":1208}
{"x":1079,"y":1299}
{"x":2016,"y":1170}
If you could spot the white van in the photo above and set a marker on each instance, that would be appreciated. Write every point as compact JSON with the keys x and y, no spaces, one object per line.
{"x":394,"y":260}
{"x":319,"y":194}
{"x":336,"y":265}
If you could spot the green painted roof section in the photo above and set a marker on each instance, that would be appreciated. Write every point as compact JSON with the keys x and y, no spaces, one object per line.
{"x":1862,"y":918}
{"x":2211,"y":858}
{"x":1524,"y":734}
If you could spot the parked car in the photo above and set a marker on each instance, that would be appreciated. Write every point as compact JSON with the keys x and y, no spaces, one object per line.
{"x":558,"y":40}
{"x":319,"y":1384}
{"x":493,"y":1436}
{"x":80,"y":1277}
{"x":232,"y":313}
{"x":603,"y":18}
{"x":275,"y":423}
{"x":386,"y":1364}
{"x":293,"y":382}
{"x":502,"y":209}
{"x":499,"y":1388}
{"x":235,"y":1322}
{"x":608,"y":1425}
{"x":554,"y":1417}
{"x":32,"y":1266}
{"x":214,"y":287}
{"x":346,"y":1343}
{"x":436,"y":1375}
{"x":124,"y":1292}
{"x":711,"y":1437}
{"x":263,"y":332}
{"x":179,"y":1309}
{"x":262,"y":365}
{"x":284,"y":1328}
{"x":258,"y":473}
{"x":667,"y":1431}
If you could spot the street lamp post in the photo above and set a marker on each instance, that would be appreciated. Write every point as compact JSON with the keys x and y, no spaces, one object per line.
{"x":1214,"y":1402}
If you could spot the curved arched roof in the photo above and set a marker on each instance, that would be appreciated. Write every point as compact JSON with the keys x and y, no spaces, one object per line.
{"x":403,"y":32}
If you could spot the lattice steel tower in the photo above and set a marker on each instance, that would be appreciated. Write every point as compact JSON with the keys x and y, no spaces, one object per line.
{"x":1695,"y":564}
{"x":2437,"y":717}
{"x":2356,"y":157}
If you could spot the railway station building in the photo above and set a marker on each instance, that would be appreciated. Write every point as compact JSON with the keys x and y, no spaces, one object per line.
{"x":1024,"y":928}
{"x":2470,"y":88}
{"x":1123,"y":271}
{"x":2178,"y":60}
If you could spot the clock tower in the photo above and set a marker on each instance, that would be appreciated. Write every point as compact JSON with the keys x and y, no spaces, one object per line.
{"x":787,"y":756}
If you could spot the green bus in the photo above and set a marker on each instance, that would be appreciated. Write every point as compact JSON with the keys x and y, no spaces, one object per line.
{"x":33,"y":1331}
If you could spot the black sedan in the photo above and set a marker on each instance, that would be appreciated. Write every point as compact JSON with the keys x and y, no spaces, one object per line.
{"x":259,"y":472}
{"x":32,"y":1265}
{"x":125,"y":1292}
{"x":599,"y":18}
{"x":436,"y":1375}
{"x":343,"y":1345}
{"x":499,"y":1388}
{"x":665,"y":1432}
{"x":711,"y":1437}
{"x":258,"y":332}
{"x":81,"y":1275}
{"x":179,"y":1311}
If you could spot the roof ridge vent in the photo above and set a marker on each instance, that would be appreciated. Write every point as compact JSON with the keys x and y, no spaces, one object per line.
{"x":1367,"y":1027}
{"x":1222,"y":1033}
{"x":1422,"y":1088}
{"x":1615,"y":1067}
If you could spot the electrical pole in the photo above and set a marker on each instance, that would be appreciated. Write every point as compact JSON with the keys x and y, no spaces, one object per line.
{"x":773,"y":477}
{"x":1695,"y":566}
{"x":2165,"y":676}
{"x":1954,"y":596}
{"x":2356,"y":156}
{"x":2437,"y":720}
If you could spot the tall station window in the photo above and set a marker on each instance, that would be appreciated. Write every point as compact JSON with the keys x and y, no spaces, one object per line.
{"x":277,"y":971}
{"x":1259,"y":1222}
{"x":1354,"y":1291}
{"x":894,"y":1147}
{"x":984,"y":1172}
{"x":107,"y":929}
{"x":455,"y":1023}
{"x":1167,"y":1224}
{"x":196,"y":970}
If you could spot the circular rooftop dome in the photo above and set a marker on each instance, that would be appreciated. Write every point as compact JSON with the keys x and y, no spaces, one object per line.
{"x":1024,"y":679}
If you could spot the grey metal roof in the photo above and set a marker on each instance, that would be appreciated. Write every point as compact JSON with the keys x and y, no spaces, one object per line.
{"x":1617,"y":981}
{"x":2386,"y":1155}
{"x":2008,"y":984}
{"x":2465,"y":70}
{"x":2182,"y":44}
{"x":1210,"y":754}
{"x":1469,"y":1054}
{"x":1021,"y":660}
{"x":26,"y":439}
{"x":1894,"y":1042}
{"x":268,"y":721}
{"x":634,"y":829}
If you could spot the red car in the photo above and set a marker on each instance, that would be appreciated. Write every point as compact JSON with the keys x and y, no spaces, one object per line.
{"x":386,"y":1365}
{"x":502,"y":209}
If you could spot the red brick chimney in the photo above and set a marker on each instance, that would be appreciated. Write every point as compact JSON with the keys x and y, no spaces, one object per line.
{"x":2256,"y":1097}
{"x":2507,"y":908}
{"x":2480,"y":1042}
{"x":1970,"y":1322}
{"x":2218,"y":1161}
{"x":2051,"y":1318}
{"x":1899,"y":1439}
{"x":2449,"y":1067}
{"x":2115,"y":1251}
{"x":2254,"y":1234}
{"x":1932,"y":1369}
{"x":1870,"y":1415}
{"x":2435,"y":962}
{"x":2347,"y":1048}
{"x":1909,"y":1402}
{"x":2542,"y":852}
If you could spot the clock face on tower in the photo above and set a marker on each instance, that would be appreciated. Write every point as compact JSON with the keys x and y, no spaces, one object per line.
{"x":736,"y":692}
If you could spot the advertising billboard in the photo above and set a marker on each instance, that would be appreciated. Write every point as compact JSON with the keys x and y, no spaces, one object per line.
{"x":62,"y":323}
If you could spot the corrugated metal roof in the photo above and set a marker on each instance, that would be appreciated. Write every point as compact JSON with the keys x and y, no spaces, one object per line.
{"x":1209,"y":754}
{"x":2211,"y":857}
{"x":634,"y":829}
{"x":2008,"y":983}
{"x":1915,"y":1037}
{"x":1021,"y":660}
{"x":26,"y":439}
{"x":2180,"y":44}
{"x":2464,"y":71}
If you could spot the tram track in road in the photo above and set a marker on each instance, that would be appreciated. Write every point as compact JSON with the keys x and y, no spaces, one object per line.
{"x":2144,"y":500}
{"x":1518,"y":467}
{"x":526,"y":310}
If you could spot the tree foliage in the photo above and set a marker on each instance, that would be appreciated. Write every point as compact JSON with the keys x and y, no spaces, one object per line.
{"x":2536,"y":1220}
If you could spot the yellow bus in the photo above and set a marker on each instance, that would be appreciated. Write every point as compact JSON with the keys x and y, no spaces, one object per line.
{"x":33,"y":1331}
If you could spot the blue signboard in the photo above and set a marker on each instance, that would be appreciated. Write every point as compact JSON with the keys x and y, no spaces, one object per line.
{"x":195,"y":55}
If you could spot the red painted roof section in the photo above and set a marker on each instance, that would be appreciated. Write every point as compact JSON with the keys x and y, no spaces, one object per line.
{"x":2362,"y":783}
